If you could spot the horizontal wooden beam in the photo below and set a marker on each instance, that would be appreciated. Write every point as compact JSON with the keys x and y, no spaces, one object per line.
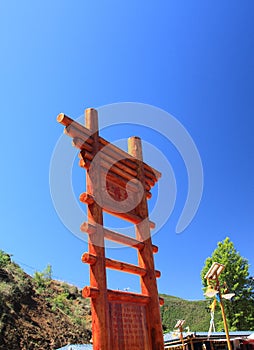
{"x":77,"y":130}
{"x":120,"y":153}
{"x":122,"y":239}
{"x":73,"y":131}
{"x":125,"y":267}
{"x":161,"y":301}
{"x":86,"y":198}
{"x":88,"y":258}
{"x":117,"y":237}
{"x":157,"y":273}
{"x":90,"y":292}
{"x":118,"y":265}
{"x":115,"y":178}
{"x":129,"y":268}
{"x":119,"y":296}
{"x":80,"y":144}
{"x":108,"y":166}
{"x":129,"y":216}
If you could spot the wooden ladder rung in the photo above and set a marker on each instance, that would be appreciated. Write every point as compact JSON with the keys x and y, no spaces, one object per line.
{"x":117,"y":237}
{"x":118,"y":265}
{"x":119,"y":296}
{"x":126,"y":267}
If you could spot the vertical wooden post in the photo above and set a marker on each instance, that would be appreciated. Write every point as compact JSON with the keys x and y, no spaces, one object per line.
{"x":145,"y":256}
{"x":223,"y":314}
{"x":99,"y":304}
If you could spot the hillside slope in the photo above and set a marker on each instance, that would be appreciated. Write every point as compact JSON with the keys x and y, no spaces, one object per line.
{"x":195,"y":313}
{"x":39,"y":313}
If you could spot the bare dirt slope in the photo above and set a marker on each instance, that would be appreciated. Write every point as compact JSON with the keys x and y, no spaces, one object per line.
{"x":39,"y":313}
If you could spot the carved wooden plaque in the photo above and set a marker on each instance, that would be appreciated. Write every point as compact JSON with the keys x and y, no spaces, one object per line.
{"x":128,"y":326}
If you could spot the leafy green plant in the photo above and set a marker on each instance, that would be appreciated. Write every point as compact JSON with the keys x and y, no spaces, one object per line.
{"x":5,"y":259}
{"x":42,"y":279}
{"x":60,"y":301}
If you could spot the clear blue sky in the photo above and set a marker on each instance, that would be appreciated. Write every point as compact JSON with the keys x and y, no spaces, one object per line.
{"x":193,"y":59}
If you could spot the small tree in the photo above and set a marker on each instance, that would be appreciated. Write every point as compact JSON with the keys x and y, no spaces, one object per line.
{"x":5,"y":259}
{"x":42,"y":279}
{"x":239,"y":311}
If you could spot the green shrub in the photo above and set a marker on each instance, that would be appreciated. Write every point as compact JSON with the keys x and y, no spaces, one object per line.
{"x":43,"y":279}
{"x":5,"y":259}
{"x":60,"y":301}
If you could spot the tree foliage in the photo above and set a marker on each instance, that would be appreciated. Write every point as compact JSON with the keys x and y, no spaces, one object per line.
{"x":239,"y":310}
{"x":43,"y":279}
{"x":5,"y":259}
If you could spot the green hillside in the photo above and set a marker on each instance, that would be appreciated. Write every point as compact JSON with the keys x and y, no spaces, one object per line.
{"x":195,"y":313}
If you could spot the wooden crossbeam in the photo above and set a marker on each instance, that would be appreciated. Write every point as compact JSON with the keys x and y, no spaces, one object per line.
{"x":116,"y":237}
{"x":107,"y":164}
{"x":130,"y":216}
{"x":121,"y":296}
{"x":116,"y":175}
{"x":76,"y":130}
{"x":118,"y":265}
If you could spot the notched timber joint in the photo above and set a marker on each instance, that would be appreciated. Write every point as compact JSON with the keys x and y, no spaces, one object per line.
{"x":89,"y":258}
{"x":90,"y":292}
{"x":86,"y":198}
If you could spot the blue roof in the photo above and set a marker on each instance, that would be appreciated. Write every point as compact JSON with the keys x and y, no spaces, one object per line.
{"x":171,"y":336}
{"x":175,"y":335}
{"x":77,"y":347}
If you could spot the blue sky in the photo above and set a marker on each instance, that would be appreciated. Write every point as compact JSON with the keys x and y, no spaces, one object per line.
{"x":193,"y":59}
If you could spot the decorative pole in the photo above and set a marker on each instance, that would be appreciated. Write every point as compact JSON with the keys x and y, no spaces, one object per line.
{"x":145,"y":256}
{"x":99,"y":304}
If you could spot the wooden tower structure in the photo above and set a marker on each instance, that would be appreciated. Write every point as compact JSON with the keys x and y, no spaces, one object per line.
{"x":120,"y":320}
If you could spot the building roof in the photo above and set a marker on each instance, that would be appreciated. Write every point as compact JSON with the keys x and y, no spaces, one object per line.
{"x":77,"y":347}
{"x":171,"y":337}
{"x":174,"y":336}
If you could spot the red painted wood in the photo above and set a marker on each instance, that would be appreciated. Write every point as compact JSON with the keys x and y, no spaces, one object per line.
{"x":99,"y":305}
{"x":145,"y":257}
{"x":120,"y":320}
